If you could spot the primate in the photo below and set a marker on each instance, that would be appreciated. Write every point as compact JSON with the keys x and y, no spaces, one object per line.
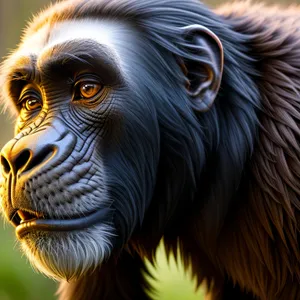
{"x":143,"y":120}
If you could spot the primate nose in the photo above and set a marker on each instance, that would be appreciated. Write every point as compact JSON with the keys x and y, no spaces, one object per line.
{"x":32,"y":151}
{"x":24,"y":159}
{"x":24,"y":154}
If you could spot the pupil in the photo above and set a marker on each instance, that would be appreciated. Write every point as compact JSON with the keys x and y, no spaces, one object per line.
{"x":32,"y":104}
{"x":88,"y":88}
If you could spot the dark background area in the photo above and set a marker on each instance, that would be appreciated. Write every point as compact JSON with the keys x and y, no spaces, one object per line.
{"x":17,"y":279}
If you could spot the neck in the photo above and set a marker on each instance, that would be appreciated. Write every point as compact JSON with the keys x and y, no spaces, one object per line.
{"x":202,"y":164}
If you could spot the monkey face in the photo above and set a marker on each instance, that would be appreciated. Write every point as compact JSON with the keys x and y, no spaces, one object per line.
{"x":80,"y":172}
{"x":108,"y":142}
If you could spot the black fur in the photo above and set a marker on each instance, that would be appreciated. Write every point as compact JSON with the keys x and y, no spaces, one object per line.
{"x":191,"y":177}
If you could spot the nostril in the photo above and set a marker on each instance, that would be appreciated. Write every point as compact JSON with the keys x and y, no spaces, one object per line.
{"x":39,"y":157}
{"x":5,"y":165}
{"x":22,"y":159}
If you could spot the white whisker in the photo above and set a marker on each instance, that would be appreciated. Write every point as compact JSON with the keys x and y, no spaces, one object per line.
{"x":68,"y":255}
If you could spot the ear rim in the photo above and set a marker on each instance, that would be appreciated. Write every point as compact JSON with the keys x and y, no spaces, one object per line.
{"x":202,"y":105}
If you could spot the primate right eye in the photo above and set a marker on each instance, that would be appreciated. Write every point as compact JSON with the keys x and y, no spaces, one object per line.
{"x":30,"y":100}
{"x":32,"y":104}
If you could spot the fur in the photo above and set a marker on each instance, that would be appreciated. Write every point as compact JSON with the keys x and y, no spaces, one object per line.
{"x":227,"y":185}
{"x":59,"y":254}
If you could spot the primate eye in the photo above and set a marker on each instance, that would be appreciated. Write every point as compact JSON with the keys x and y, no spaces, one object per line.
{"x":89,"y":90}
{"x":32,"y":104}
{"x":30,"y":99}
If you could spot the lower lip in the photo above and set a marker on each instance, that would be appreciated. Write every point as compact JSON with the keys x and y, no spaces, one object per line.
{"x":62,"y":225}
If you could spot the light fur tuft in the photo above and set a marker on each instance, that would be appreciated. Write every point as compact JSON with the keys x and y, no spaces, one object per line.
{"x":68,"y":255}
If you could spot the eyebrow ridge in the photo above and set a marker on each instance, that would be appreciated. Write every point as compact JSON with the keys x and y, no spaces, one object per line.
{"x":24,"y":69}
{"x":85,"y":51}
{"x":74,"y":56}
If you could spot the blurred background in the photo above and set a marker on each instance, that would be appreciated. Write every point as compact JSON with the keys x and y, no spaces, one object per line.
{"x":17,"y":278}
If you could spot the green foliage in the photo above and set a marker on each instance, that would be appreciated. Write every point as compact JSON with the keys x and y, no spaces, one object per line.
{"x":17,"y":278}
{"x":172,"y":282}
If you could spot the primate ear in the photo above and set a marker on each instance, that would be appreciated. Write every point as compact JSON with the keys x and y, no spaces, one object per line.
{"x":203,"y":65}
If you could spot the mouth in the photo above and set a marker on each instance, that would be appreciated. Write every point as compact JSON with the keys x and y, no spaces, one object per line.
{"x":26,"y":222}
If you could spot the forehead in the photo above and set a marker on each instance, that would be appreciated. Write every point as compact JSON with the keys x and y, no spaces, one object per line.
{"x":116,"y":39}
{"x":111,"y":34}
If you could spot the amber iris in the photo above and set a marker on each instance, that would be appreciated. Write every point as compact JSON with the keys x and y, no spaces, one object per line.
{"x":89,"y":90}
{"x":32,"y":104}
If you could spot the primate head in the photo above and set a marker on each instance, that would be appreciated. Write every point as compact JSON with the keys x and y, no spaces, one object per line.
{"x":108,"y":97}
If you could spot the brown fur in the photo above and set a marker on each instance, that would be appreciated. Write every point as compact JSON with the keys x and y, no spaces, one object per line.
{"x":264,"y":252}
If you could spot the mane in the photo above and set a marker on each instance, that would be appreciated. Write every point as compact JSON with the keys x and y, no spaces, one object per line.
{"x":272,"y":232}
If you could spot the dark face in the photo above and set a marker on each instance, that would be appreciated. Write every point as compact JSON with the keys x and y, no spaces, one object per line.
{"x":107,"y":138}
{"x":80,"y":172}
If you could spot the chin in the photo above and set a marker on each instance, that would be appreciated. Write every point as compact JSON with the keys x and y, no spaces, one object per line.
{"x":68,"y":255}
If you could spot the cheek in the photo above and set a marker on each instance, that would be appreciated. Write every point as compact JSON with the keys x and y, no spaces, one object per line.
{"x":130,"y":130}
{"x":30,"y":120}
{"x":112,"y":132}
